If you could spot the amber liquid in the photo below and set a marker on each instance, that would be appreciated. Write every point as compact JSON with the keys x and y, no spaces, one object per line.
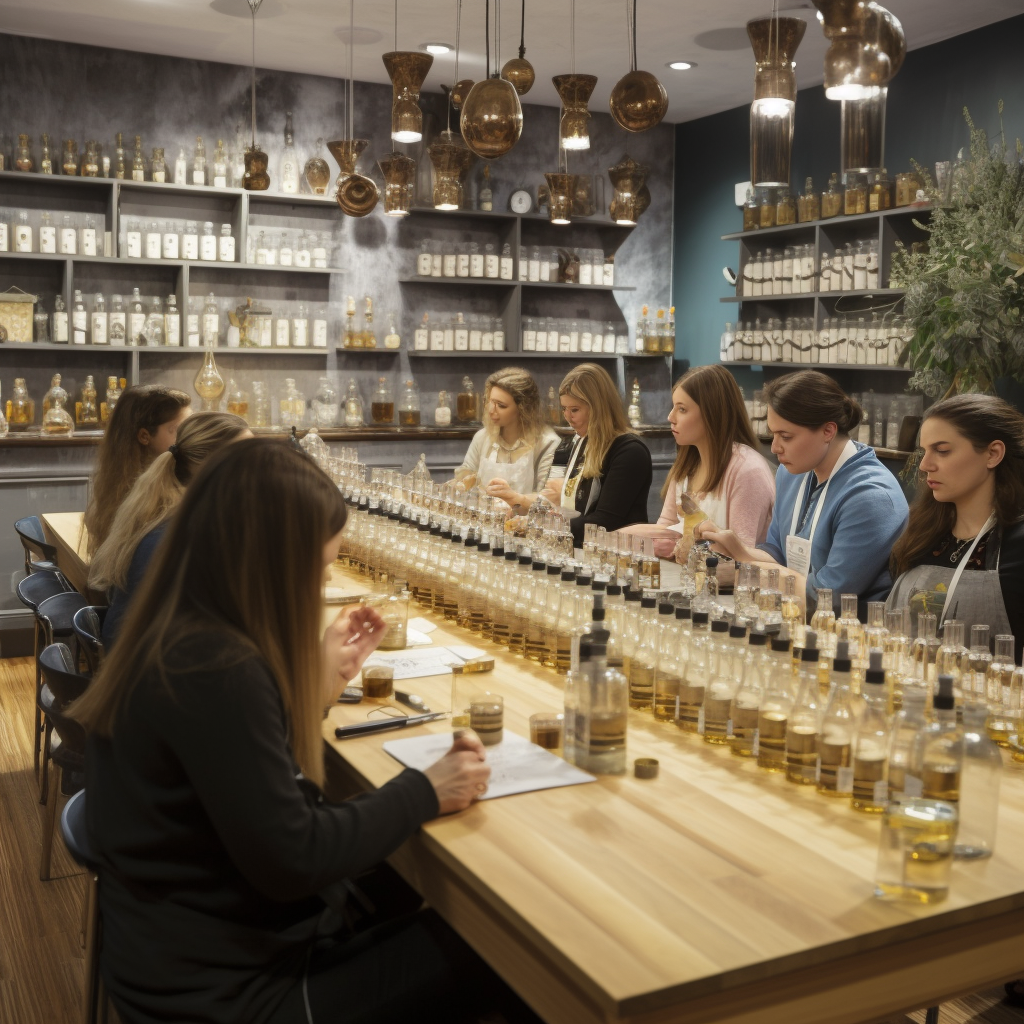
{"x":534,"y":645}
{"x":801,"y":754}
{"x":832,"y":757}
{"x":744,"y":728}
{"x":487,"y":721}
{"x":866,"y":772}
{"x":563,"y":652}
{"x":941,"y":781}
{"x":382,"y":412}
{"x":855,"y":200}
{"x":409,"y":417}
{"x":666,"y":694}
{"x":604,"y":752}
{"x":716,"y":714}
{"x":239,"y":408}
{"x":641,"y":685}
{"x":831,"y":204}
{"x":378,"y":683}
{"x":547,"y":736}
{"x":465,"y":407}
{"x":691,"y":700}
{"x":499,"y":632}
{"x":771,"y":741}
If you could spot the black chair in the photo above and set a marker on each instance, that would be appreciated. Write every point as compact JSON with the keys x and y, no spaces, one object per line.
{"x":33,"y":540}
{"x":32,"y":592}
{"x":50,"y":567}
{"x":88,"y":625}
{"x":62,"y":683}
{"x":76,"y":839}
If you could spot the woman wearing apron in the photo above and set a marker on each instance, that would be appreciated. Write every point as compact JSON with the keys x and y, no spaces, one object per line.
{"x":511,"y":456}
{"x":838,"y":510}
{"x":962,"y":555}
{"x":603,"y":472}
{"x":718,"y":473}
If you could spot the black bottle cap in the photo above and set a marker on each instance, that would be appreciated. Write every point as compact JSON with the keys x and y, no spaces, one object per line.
{"x":648,"y":602}
{"x":597,"y":615}
{"x":874,"y":674}
{"x":525,"y":560}
{"x":666,"y":608}
{"x":737,"y":632}
{"x":599,"y":586}
{"x":484,"y":546}
{"x":435,"y":531}
{"x":719,"y":626}
{"x":810,"y":639}
{"x":613,"y":589}
{"x":780,"y":643}
{"x":757,"y":639}
{"x":711,"y":562}
{"x":583,"y":580}
{"x":568,"y":575}
{"x":497,"y":551}
{"x":700,"y":618}
{"x":538,"y":566}
{"x":633,"y":595}
{"x":470,"y":541}
{"x":841,"y":664}
{"x":510,"y":555}
{"x":942,"y":700}
{"x":809,"y":654}
{"x":683,"y":612}
{"x":554,"y":569}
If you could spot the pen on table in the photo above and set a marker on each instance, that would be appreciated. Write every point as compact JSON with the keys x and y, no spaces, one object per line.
{"x":382,"y":725}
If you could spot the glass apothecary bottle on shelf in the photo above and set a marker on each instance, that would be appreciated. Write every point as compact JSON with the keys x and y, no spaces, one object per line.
{"x":467,"y":403}
{"x":751,"y":212}
{"x":855,"y":193}
{"x":87,"y":412}
{"x":880,"y":192}
{"x":238,"y":401}
{"x":325,"y":404}
{"x":158,"y":165}
{"x":291,"y":406}
{"x":317,"y":172}
{"x":808,"y":205}
{"x":382,"y":406}
{"x":23,"y":155}
{"x":209,"y":384}
{"x":785,"y":208}
{"x":113,"y":395}
{"x":3,"y":419}
{"x":45,"y":156}
{"x":832,"y":199}
{"x":261,"y":414}
{"x":392,"y":340}
{"x":91,"y":160}
{"x":353,"y":405}
{"x":443,"y":410}
{"x":409,"y":405}
{"x":69,"y":162}
{"x":21,"y":409}
{"x":57,"y":421}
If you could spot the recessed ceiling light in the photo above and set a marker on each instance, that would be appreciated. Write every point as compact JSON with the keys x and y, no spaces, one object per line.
{"x":681,"y":65}
{"x":437,"y":48}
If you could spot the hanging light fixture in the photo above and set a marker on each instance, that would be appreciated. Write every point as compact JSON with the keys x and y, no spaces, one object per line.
{"x":460,"y":90}
{"x":406,"y":69}
{"x":574,"y":91}
{"x":399,"y":173}
{"x":447,"y":152}
{"x":774,"y":41}
{"x":561,"y":192}
{"x":356,"y":194}
{"x":256,"y":178}
{"x":518,"y":70}
{"x":631,"y":196}
{"x":638,"y":101}
{"x":491,"y":117}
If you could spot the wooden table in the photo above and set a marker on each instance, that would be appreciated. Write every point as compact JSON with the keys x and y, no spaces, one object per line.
{"x":716,"y":892}
{"x":67,"y":533}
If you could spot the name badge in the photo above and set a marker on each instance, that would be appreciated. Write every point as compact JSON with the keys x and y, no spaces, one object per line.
{"x":798,"y":554}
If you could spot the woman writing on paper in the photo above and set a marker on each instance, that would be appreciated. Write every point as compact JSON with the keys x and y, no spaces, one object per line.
{"x":838,"y":510}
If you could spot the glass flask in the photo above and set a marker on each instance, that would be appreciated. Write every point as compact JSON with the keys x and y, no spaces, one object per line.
{"x":91,"y":161}
{"x":199,"y":162}
{"x":392,"y":340}
{"x":291,"y":406}
{"x":395,"y":611}
{"x":57,"y":422}
{"x":353,"y":405}
{"x":69,"y":162}
{"x":382,"y":405}
{"x":87,"y":414}
{"x":443,"y":410}
{"x":313,"y":445}
{"x":466,"y":403}
{"x":261,"y":414}
{"x":114,"y":391}
{"x":289,"y":166}
{"x":45,"y":156}
{"x":979,"y":787}
{"x":238,"y":401}
{"x":209,"y":384}
{"x":23,"y":155}
{"x":220,"y":165}
{"x":317,"y":172}
{"x":158,"y":165}
{"x":409,"y":406}
{"x":138,"y":161}
{"x":325,"y":404}
{"x":21,"y":412}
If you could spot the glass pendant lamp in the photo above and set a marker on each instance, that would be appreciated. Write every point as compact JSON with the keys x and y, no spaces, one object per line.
{"x":256,"y":178}
{"x":562,"y":191}
{"x":399,"y":173}
{"x":631,"y":197}
{"x":451,"y":160}
{"x":574,"y":91}
{"x":774,"y":41}
{"x":638,"y":101}
{"x":519,"y":71}
{"x":406,"y":69}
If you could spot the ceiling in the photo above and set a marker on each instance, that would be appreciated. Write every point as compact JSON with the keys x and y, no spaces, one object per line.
{"x":302,"y":35}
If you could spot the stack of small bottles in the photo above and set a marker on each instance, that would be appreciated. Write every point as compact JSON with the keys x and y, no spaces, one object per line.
{"x":444,"y":332}
{"x":19,"y":414}
{"x":541,"y":265}
{"x":792,"y":270}
{"x":364,"y":335}
{"x":176,"y":240}
{"x":462,"y":259}
{"x":549,"y":334}
{"x":282,"y":248}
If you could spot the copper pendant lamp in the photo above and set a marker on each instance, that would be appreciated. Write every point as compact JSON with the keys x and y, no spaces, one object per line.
{"x":631,"y":196}
{"x":574,"y":91}
{"x":407,"y":71}
{"x":256,"y":178}
{"x":451,"y":160}
{"x":561,"y":193}
{"x":774,"y":41}
{"x":491,"y":117}
{"x":638,"y":100}
{"x":519,"y":71}
{"x":460,"y":90}
{"x":399,"y":173}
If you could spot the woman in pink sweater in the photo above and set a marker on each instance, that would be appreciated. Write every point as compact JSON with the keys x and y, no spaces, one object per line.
{"x":717,"y":464}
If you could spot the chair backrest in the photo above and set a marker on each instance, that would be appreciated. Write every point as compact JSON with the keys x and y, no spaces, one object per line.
{"x":60,"y":673}
{"x":71,"y":733}
{"x":57,"y":613}
{"x":33,"y":540}
{"x":88,"y":626}
{"x":35,"y":589}
{"x":73,"y":830}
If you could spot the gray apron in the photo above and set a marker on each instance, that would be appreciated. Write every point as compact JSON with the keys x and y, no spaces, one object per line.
{"x":976,"y":600}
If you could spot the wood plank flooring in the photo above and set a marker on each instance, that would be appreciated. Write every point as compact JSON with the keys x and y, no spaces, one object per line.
{"x":41,"y":959}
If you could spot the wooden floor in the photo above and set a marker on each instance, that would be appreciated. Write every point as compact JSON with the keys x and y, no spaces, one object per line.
{"x":41,"y":960}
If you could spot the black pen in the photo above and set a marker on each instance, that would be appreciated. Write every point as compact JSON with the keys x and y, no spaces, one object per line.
{"x":347,"y":732}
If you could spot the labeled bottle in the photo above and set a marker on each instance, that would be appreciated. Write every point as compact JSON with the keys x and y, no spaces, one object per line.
{"x":60,"y":321}
{"x":211,"y":322}
{"x":776,"y":706}
{"x":172,"y":323}
{"x":505,"y":263}
{"x":21,"y":410}
{"x":751,"y":213}
{"x":744,"y":713}
{"x":353,"y":405}
{"x":220,"y":166}
{"x":226,"y":245}
{"x":87,"y":412}
{"x":289,"y":159}
{"x":136,"y":319}
{"x":937,"y":757}
{"x":808,"y":204}
{"x":466,"y":403}
{"x":835,"y":741}
{"x":79,"y":320}
{"x":804,"y":724}
{"x":979,"y":787}
{"x":600,"y":719}
{"x":23,"y":233}
{"x":691,"y":690}
{"x":725,"y":679}
{"x":443,"y":410}
{"x":199,"y":162}
{"x":832,"y":201}
{"x":138,"y":161}
{"x":320,"y":327}
{"x":208,"y":242}
{"x":644,"y":659}
{"x":382,"y":407}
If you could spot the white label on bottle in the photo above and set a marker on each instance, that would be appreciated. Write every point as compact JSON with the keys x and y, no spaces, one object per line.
{"x":320,"y":334}
{"x":586,"y":341}
{"x":3,"y":237}
{"x":487,"y":341}
{"x":78,"y":336}
{"x":116,"y":328}
{"x":226,"y":249}
{"x":506,"y":268}
{"x":172,"y":329}
{"x":192,"y":336}
{"x":609,"y":275}
{"x":302,"y":258}
{"x":299,"y":330}
{"x":22,"y":238}
{"x":499,"y":340}
{"x":423,"y":264}
{"x":449,"y":265}
{"x":462,"y":265}
{"x":60,"y":327}
{"x":79,"y":319}
{"x":198,"y":177}
{"x":282,"y":329}
{"x":880,"y":793}
{"x":436,"y":265}
{"x":68,"y":241}
{"x":844,"y":780}
{"x":524,"y":268}
{"x":449,"y":339}
{"x":533,"y":270}
{"x":136,"y":321}
{"x":138,"y":174}
{"x":170,"y":246}
{"x":541,"y":341}
{"x":586,"y":273}
{"x":286,"y":257}
{"x":420,"y":339}
{"x":152,"y":246}
{"x":545,"y":271}
{"x":437,"y":339}
{"x":320,"y":257}
{"x":491,"y":266}
{"x":99,"y":328}
{"x":442,"y":416}
{"x":266,"y":331}
{"x":190,"y":247}
{"x":461,"y":339}
{"x":211,"y":328}
{"x":47,"y":238}
{"x":220,"y":181}
{"x":564,"y":342}
{"x":208,"y":247}
{"x":234,"y":339}
{"x":133,"y":245}
{"x":700,"y":721}
{"x":755,"y":746}
{"x":530,"y":341}
{"x":476,"y":265}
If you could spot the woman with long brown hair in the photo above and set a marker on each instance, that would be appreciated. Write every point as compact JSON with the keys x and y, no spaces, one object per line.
{"x":962,"y":553}
{"x":120,"y":564}
{"x":717,"y":468}
{"x":205,"y":766}
{"x":142,"y":426}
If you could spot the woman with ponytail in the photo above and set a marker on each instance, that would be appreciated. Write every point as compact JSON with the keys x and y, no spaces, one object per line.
{"x":120,"y":563}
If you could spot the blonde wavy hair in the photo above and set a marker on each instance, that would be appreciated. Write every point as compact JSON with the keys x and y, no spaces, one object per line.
{"x":522,"y":388}
{"x":157,"y":493}
{"x":590,"y":384}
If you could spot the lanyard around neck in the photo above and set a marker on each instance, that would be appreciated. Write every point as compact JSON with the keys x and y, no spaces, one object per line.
{"x":989,"y":523}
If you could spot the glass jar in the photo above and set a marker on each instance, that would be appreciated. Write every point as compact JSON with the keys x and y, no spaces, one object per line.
{"x":880,"y":194}
{"x":87,"y":412}
{"x":751,"y":213}
{"x":158,"y":165}
{"x":261,"y":417}
{"x":317,"y":172}
{"x":325,"y":404}
{"x":808,"y":205}
{"x":855,"y":193}
{"x":21,"y":410}
{"x":907,"y":184}
{"x":409,"y":406}
{"x":291,"y":406}
{"x":23,"y":156}
{"x":767,"y":210}
{"x":382,"y":406}
{"x":832,"y":200}
{"x":57,"y":421}
{"x":238,"y":401}
{"x":392,"y":340}
{"x":45,"y":156}
{"x":443,"y":410}
{"x":466,"y":403}
{"x":785,"y":207}
{"x":69,"y":164}
{"x":395,"y":612}
{"x":353,"y":405}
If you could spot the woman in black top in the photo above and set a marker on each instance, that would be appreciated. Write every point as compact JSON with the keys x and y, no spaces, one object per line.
{"x":962,"y":554}
{"x":204,"y":769}
{"x":604,"y":471}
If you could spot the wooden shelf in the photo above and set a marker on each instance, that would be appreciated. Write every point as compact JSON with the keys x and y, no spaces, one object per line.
{"x":223,"y":350}
{"x":843,"y":367}
{"x":487,"y":282}
{"x":860,"y":292}
{"x":896,"y":211}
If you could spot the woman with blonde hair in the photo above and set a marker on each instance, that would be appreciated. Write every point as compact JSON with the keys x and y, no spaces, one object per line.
{"x":604,"y":470}
{"x":121,"y":561}
{"x":510,"y":457}
{"x":142,"y":426}
{"x":718,"y":468}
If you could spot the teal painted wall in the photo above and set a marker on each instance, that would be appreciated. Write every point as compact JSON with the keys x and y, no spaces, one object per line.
{"x":924,"y":122}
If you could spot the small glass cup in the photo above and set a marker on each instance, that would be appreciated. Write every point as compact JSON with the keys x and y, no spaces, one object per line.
{"x":546,"y":731}
{"x":915,"y":853}
{"x":378,"y":682}
{"x":487,"y":718}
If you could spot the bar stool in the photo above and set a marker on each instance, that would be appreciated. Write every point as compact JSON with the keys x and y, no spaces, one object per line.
{"x":62,"y":683}
{"x":33,"y":540}
{"x":88,"y":626}
{"x":76,"y":839}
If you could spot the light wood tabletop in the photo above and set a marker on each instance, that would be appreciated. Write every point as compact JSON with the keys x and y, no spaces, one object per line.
{"x":715,"y":892}
{"x":67,"y":532}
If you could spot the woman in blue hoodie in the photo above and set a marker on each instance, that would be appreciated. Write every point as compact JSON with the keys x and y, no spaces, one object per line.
{"x":838,"y":510}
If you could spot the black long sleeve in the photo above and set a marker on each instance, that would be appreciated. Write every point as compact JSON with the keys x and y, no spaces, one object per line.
{"x":626,"y":476}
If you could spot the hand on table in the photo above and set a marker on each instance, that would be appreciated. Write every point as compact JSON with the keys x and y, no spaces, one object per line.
{"x":461,"y":776}
{"x":347,"y":642}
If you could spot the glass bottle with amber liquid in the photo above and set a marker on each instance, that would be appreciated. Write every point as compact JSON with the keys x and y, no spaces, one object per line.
{"x":45,"y":157}
{"x":832,"y":198}
{"x":120,"y":164}
{"x":808,"y":205}
{"x":804,"y":723}
{"x":835,"y":770}
{"x":855,"y":193}
{"x":138,"y":161}
{"x":937,"y":757}
{"x":466,"y":403}
{"x":751,"y":213}
{"x":350,"y":338}
{"x":382,"y":407}
{"x":21,"y":410}
{"x":69,"y":162}
{"x":880,"y":192}
{"x":776,"y":705}
{"x":409,"y":407}
{"x":23,"y":157}
{"x":367,"y":335}
{"x":785,"y":208}
{"x":871,"y":742}
{"x":766,"y":211}
{"x":87,"y":411}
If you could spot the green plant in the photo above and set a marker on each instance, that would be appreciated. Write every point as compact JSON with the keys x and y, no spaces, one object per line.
{"x":964,"y":304}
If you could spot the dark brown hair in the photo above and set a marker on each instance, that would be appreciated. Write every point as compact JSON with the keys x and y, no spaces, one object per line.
{"x":981,"y":419}
{"x":243,"y":555}
{"x":121,"y":457}
{"x":812,"y":399}
{"x":714,"y":391}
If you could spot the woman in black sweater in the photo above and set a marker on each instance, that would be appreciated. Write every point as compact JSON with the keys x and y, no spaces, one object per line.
{"x":604,"y":470}
{"x":204,"y":769}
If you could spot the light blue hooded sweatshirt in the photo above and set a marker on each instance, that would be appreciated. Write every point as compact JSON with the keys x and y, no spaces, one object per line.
{"x":865,"y":512}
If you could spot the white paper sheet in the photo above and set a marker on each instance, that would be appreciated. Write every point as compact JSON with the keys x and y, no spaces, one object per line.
{"x":422,"y":624}
{"x":415,"y":664}
{"x":517,"y":765}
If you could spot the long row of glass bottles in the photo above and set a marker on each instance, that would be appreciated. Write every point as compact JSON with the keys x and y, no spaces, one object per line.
{"x":56,"y":232}
{"x":223,"y":168}
{"x":177,"y":239}
{"x":56,"y":420}
{"x":446,"y":332}
{"x":541,"y":265}
{"x":278,"y":247}
{"x":464,"y":259}
{"x":550,"y":334}
{"x":794,"y":270}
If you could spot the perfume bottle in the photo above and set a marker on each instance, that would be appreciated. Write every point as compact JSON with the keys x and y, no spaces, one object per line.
{"x":367,"y":335}
{"x":353,"y":405}
{"x":409,"y":406}
{"x":289,"y":159}
{"x":181,"y":167}
{"x":120,"y":164}
{"x":199,"y":162}
{"x":466,"y":403}
{"x":21,"y":410}
{"x":98,"y":320}
{"x":57,"y":421}
{"x":238,"y":401}
{"x":45,"y":156}
{"x":220,"y":166}
{"x":211,"y":322}
{"x":804,"y":722}
{"x":209,"y":384}
{"x":317,"y":172}
{"x":138,"y":161}
{"x":136,"y":319}
{"x":349,"y":338}
{"x":117,"y":321}
{"x":69,"y":162}
{"x":172,"y":324}
{"x":158,"y":165}
{"x":382,"y":407}
{"x":23,"y":155}
{"x":392,"y":339}
{"x":87,"y":412}
{"x":60,"y":321}
{"x":325,"y":404}
{"x":443,"y":410}
{"x":79,"y":320}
